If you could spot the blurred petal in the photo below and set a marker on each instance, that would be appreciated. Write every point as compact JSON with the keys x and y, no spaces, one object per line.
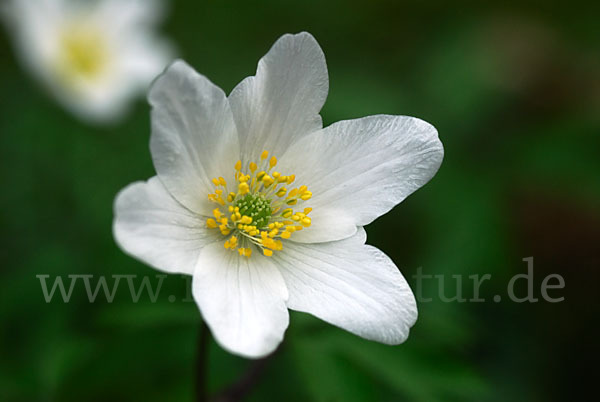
{"x":151,"y":226}
{"x":193,"y":135}
{"x":122,"y":15}
{"x":365,"y":167}
{"x":351,"y":285}
{"x":93,"y":57}
{"x":242,"y":300}
{"x":282,"y":102}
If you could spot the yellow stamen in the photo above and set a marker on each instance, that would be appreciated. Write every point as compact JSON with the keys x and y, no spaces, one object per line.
{"x":257,"y":212}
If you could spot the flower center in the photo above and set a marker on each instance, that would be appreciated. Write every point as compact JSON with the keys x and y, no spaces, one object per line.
{"x":83,"y":52}
{"x":256,"y":207}
{"x":260,"y":212}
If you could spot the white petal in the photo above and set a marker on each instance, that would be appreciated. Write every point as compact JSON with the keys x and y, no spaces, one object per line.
{"x":142,"y":58}
{"x":328,"y":224}
{"x":359,"y":169}
{"x":242,"y":300}
{"x":350,"y":285}
{"x":193,"y":135}
{"x":282,"y":102}
{"x":33,"y":26}
{"x":151,"y":226}
{"x":127,"y":15}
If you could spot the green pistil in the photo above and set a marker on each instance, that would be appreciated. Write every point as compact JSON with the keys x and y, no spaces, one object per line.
{"x":256,"y":207}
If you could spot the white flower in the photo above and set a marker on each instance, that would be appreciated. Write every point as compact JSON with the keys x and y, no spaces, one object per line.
{"x":257,"y":239}
{"x":92,"y":56}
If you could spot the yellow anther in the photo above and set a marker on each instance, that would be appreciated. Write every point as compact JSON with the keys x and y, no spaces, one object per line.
{"x":267,"y":180}
{"x":246,"y":252}
{"x":257,"y":191}
{"x":270,"y":243}
{"x":231,"y":243}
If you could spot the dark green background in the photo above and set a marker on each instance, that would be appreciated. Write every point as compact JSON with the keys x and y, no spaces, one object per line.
{"x":514,"y":90}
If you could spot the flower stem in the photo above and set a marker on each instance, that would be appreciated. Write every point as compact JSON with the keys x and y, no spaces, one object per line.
{"x":239,"y":390}
{"x":201,"y":363}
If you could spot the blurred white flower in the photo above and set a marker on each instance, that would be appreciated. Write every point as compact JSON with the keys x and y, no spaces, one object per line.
{"x":93,"y":56}
{"x":261,"y":234}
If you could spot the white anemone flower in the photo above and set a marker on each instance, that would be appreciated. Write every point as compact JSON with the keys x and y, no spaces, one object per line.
{"x":266,"y":208}
{"x":92,"y":56}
